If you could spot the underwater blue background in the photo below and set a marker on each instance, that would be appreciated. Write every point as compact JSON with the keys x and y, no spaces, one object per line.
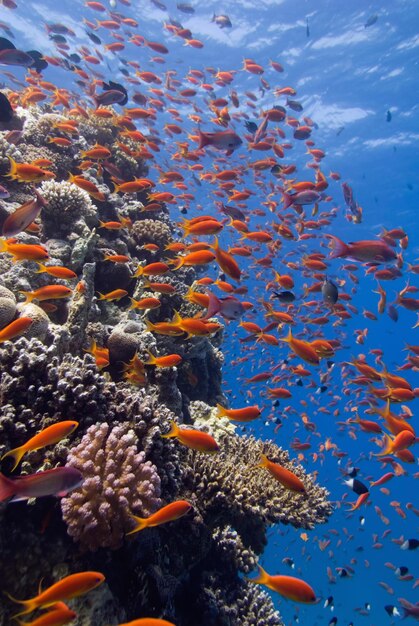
{"x":348,"y":77}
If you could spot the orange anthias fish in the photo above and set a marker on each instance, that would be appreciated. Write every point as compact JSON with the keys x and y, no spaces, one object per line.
{"x":247,"y":414}
{"x":402,"y":441}
{"x":288,"y":586}
{"x":148,"y":621}
{"x":114,"y":295}
{"x":69,"y":587}
{"x":59,"y":615}
{"x":191,"y":438}
{"x":15,"y":328}
{"x":48,"y":436}
{"x":23,"y":251}
{"x":28,"y":173}
{"x":49,"y":292}
{"x":282,"y":475}
{"x":302,"y":349}
{"x":168,"y":513}
{"x":23,"y":216}
{"x":169,"y":360}
{"x":58,"y":271}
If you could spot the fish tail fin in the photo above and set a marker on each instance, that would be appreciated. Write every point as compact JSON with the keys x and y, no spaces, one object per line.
{"x":16,"y":455}
{"x":151,"y":359}
{"x":28,"y":295}
{"x":172,"y":432}
{"x":140,"y":524}
{"x":41,"y":269}
{"x":286,"y":199}
{"x":13,"y":168}
{"x":3,"y":245}
{"x":7,"y":489}
{"x":263,"y":460}
{"x":29,"y":605}
{"x":221,"y":412}
{"x":262,"y":578}
{"x":339,"y":248}
{"x":203,"y":140}
{"x":149,"y":325}
{"x":177,"y":264}
{"x":388,"y":446}
{"x":214,"y":306}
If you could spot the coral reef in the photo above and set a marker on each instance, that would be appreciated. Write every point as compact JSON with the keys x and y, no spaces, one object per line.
{"x":188,"y":570}
{"x":230,"y":488}
{"x":117,"y":481}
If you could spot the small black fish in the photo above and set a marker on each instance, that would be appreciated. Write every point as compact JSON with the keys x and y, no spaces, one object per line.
{"x":410,"y":544}
{"x":251,"y":126}
{"x":6,"y":111}
{"x":401,"y":571}
{"x":388,"y":116}
{"x":288,"y":561}
{"x":276,"y":170}
{"x":322,"y":389}
{"x":391,"y":610}
{"x":93,"y":37}
{"x":330,"y":292}
{"x":352,"y":471}
{"x":356,"y":486}
{"x":75,"y":58}
{"x":307,"y":29}
{"x":39,"y":63}
{"x":58,"y":38}
{"x":159,"y":5}
{"x":299,"y":382}
{"x":392,"y":312}
{"x":333,"y":621}
{"x":232,"y":211}
{"x":342,"y":572}
{"x":284,"y":296}
{"x":329,"y":603}
{"x":294,"y":105}
{"x":371,"y":20}
{"x":5,"y":44}
{"x":184,"y":210}
{"x":186,"y":8}
{"x":223,"y":21}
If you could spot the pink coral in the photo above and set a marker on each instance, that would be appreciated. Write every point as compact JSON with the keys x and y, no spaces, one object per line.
{"x":117,"y":481}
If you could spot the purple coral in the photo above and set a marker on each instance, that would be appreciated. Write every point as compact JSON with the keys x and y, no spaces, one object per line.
{"x":117,"y":481}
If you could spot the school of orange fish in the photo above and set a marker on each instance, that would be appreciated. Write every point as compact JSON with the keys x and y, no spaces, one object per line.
{"x":262,"y":226}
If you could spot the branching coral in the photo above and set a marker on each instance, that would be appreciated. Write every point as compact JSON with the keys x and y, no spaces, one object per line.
{"x":230,"y":489}
{"x":67,"y":210}
{"x":117,"y":481}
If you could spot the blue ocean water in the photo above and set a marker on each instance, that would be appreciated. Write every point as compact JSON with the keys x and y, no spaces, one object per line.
{"x":354,"y":67}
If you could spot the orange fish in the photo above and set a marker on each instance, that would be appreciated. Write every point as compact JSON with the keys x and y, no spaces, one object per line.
{"x":282,"y":475}
{"x":194,"y":439}
{"x":148,"y":621}
{"x":59,"y":615}
{"x":168,"y":513}
{"x":200,"y":257}
{"x":65,"y":589}
{"x":302,"y":349}
{"x":170,"y":360}
{"x":15,"y":328}
{"x":288,"y":586}
{"x":57,"y":271}
{"x":49,"y":292}
{"x":23,"y":251}
{"x":144,"y":304}
{"x":23,"y":216}
{"x":247,"y":414}
{"x":96,"y":153}
{"x":114,"y":295}
{"x":152,"y":269}
{"x":226,"y":262}
{"x":400,"y":442}
{"x":28,"y":173}
{"x":48,"y":436}
{"x":87,"y":186}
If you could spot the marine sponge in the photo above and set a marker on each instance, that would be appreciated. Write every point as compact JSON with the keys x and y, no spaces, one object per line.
{"x":229,"y":487}
{"x":67,"y":210}
{"x":7,"y":306}
{"x":117,"y":481}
